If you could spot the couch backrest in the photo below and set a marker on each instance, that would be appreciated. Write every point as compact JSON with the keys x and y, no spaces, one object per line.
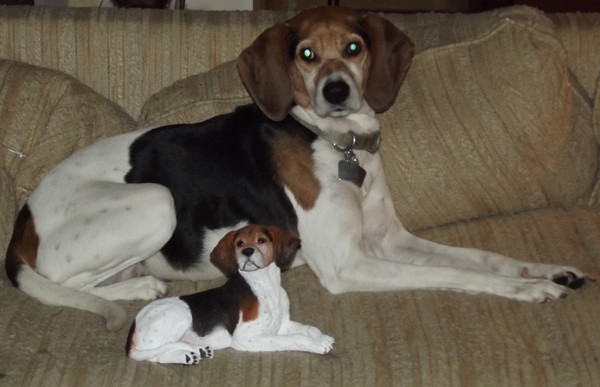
{"x":127,"y":54}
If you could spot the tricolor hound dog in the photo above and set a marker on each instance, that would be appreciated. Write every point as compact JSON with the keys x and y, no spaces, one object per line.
{"x":114,"y":219}
{"x":250,"y":312}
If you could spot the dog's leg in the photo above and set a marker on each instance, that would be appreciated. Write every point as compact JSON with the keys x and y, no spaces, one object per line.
{"x":140,"y":288}
{"x":387,"y":237}
{"x":353,"y":262}
{"x":107,"y":229}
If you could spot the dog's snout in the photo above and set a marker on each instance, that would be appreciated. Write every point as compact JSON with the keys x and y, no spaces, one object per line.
{"x":248,"y":251}
{"x":336,"y":92}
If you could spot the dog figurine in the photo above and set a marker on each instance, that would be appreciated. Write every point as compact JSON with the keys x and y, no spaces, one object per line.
{"x":250,"y":312}
{"x":116,"y":218}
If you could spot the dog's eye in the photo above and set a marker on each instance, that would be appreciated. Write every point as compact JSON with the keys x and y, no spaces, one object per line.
{"x":307,"y":54}
{"x":262,"y":240}
{"x":239,"y":243}
{"x":353,"y":48}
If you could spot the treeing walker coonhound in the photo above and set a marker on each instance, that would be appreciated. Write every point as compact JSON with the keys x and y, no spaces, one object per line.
{"x":116,"y":218}
{"x":250,"y":312}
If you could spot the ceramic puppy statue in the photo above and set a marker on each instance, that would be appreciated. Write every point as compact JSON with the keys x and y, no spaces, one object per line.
{"x":250,"y":312}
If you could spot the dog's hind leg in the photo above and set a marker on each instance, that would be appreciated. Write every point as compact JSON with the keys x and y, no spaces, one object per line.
{"x":88,"y":238}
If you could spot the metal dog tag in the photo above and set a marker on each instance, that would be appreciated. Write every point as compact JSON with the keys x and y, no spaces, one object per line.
{"x":350,"y":170}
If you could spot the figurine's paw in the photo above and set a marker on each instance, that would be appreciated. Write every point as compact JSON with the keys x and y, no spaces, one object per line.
{"x":206,"y":352}
{"x":194,"y":357}
{"x":325,"y":344}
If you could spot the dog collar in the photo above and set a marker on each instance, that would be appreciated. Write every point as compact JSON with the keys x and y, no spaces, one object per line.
{"x":349,"y":168}
{"x":348,"y":141}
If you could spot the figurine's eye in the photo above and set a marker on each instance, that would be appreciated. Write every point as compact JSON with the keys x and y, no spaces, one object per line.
{"x":353,"y":48}
{"x":307,"y":54}
{"x":262,"y":240}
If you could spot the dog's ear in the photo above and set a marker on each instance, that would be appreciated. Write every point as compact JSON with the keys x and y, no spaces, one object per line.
{"x":391,"y":54}
{"x":223,"y":255}
{"x":285,"y":247}
{"x":263,"y":67}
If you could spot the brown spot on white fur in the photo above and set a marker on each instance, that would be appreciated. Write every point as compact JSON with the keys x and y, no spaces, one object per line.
{"x":296,"y":169}
{"x":249,"y":309}
{"x":23,"y":246}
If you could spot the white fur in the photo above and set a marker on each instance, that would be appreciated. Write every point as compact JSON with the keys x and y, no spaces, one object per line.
{"x":374,"y":252}
{"x":164,"y":334}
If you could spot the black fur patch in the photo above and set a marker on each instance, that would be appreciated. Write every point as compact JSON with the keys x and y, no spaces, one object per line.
{"x":220,"y":172}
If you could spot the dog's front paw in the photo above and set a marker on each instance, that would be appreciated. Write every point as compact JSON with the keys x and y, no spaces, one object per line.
{"x":539,"y":291}
{"x":562,"y":275}
{"x":150,"y":288}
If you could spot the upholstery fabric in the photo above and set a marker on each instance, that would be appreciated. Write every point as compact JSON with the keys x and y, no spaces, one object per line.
{"x":46,"y":115}
{"x":492,"y":143}
{"x":127,"y":55}
{"x":582,"y":47}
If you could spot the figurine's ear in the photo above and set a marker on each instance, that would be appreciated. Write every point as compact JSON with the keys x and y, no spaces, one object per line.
{"x":285,"y":247}
{"x":223,"y":255}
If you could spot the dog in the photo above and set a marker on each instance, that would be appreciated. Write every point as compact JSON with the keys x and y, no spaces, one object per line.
{"x":250,"y":312}
{"x":116,"y":218}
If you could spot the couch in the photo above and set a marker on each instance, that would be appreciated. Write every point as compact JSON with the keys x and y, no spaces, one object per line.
{"x":492,"y":143}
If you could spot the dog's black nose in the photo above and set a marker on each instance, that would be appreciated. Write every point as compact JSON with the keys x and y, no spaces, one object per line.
{"x":248,"y":251}
{"x":336,"y":92}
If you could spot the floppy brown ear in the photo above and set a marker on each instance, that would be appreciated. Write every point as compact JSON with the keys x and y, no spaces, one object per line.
{"x":391,"y":55}
{"x":285,"y":247}
{"x":263,"y":67}
{"x":223,"y":255}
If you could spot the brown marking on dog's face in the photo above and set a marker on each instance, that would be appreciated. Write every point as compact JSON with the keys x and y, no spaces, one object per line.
{"x":23,"y":246}
{"x":296,"y":168}
{"x":328,"y":49}
{"x":292,"y":61}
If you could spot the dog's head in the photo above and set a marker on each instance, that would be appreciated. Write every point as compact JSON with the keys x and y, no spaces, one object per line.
{"x":330,"y":60}
{"x":254,"y":247}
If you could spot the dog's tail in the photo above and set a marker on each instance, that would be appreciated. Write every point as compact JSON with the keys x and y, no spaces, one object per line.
{"x":50,"y":293}
{"x":20,"y":262}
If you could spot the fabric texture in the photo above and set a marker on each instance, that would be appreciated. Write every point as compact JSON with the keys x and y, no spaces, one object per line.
{"x":488,"y":124}
{"x":46,"y":115}
{"x":582,"y":46}
{"x":127,"y":55}
{"x":492,"y":143}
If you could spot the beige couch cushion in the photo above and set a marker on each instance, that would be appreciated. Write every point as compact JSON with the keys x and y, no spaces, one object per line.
{"x":196,"y":98}
{"x":487,"y":105}
{"x":488,"y":123}
{"x":579,"y":34}
{"x":45,"y":116}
